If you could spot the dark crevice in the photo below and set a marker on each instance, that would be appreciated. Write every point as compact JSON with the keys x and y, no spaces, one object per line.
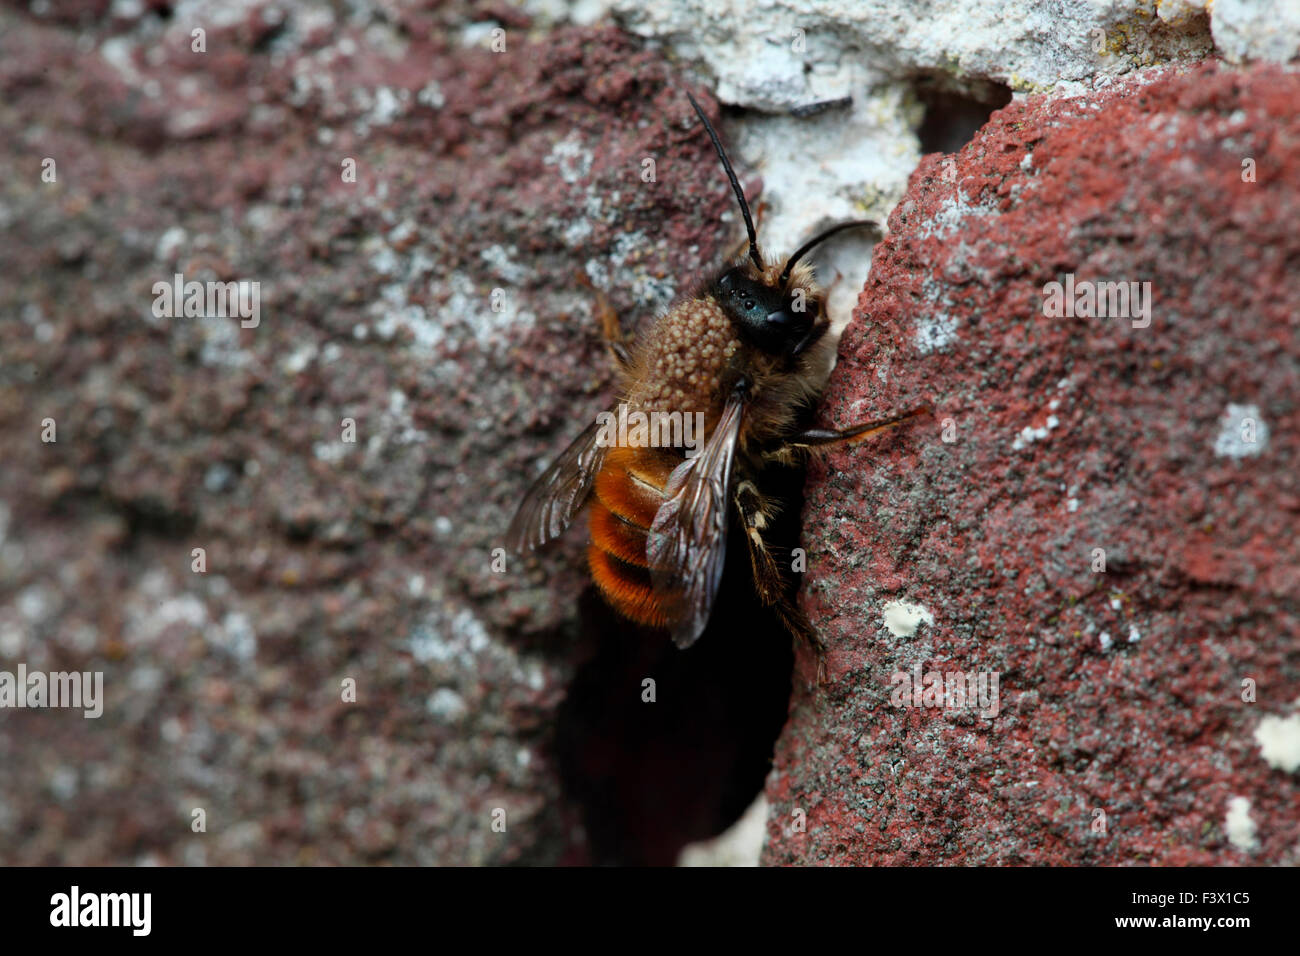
{"x":953,"y":116}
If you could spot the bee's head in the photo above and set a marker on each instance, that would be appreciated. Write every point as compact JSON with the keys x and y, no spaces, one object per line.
{"x":779,"y":317}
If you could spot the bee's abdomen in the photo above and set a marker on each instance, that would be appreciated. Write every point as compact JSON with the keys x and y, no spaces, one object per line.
{"x":629,"y":491}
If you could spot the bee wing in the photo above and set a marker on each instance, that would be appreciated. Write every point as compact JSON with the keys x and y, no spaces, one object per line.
{"x":687,"y":543}
{"x":559,"y":493}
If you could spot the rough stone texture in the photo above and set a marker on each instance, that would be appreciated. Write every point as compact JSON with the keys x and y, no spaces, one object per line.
{"x":476,"y":171}
{"x":1120,"y":691}
{"x":784,"y":54}
{"x":480,"y":171}
{"x":1247,"y":30}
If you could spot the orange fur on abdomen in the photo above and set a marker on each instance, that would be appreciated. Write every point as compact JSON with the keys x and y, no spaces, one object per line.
{"x":629,"y":491}
{"x":676,"y":367}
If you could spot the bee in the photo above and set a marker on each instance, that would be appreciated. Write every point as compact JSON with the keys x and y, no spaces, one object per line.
{"x":746,"y":351}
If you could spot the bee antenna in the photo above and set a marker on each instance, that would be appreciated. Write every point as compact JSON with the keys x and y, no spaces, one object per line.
{"x":819,"y":238}
{"x":735,"y":185}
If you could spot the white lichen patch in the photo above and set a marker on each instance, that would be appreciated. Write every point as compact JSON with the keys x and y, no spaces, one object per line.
{"x":1278,"y":739}
{"x":221,"y":344}
{"x":1238,"y":825}
{"x":298,"y":360}
{"x":1029,"y":434}
{"x":387,"y":105}
{"x":951,"y":215}
{"x":431,"y":95}
{"x":457,"y":650}
{"x":458,"y":638}
{"x":398,"y":425}
{"x":488,"y":311}
{"x":479,"y":34}
{"x":1242,"y":432}
{"x":653,"y":293}
{"x":935,"y":332}
{"x":570,"y":158}
{"x":331,"y":451}
{"x":117,"y":53}
{"x":576,"y":232}
{"x":903,"y":618}
{"x":169,"y":243}
{"x":235,"y":636}
{"x":445,"y":704}
{"x":504,"y":264}
{"x":553,"y":12}
{"x":936,"y":326}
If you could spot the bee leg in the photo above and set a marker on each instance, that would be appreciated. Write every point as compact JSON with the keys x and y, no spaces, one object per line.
{"x":610,"y":326}
{"x":797,"y":623}
{"x":820,"y":439}
{"x":754,"y":513}
{"x":612,"y":329}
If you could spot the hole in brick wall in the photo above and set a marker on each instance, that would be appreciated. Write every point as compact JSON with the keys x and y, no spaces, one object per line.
{"x":952,"y":116}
